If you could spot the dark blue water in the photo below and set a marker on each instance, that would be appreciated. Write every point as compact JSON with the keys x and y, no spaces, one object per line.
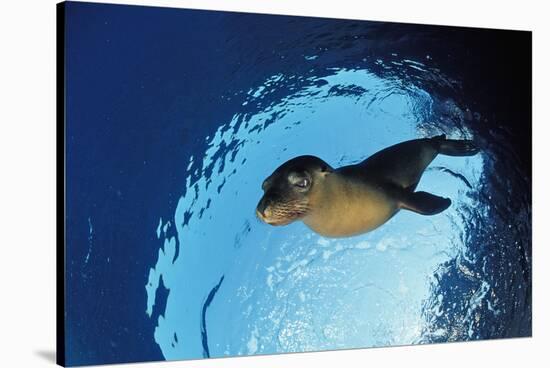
{"x":174,"y":118}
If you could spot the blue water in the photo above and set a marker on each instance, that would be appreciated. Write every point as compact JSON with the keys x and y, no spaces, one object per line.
{"x":174,"y":119}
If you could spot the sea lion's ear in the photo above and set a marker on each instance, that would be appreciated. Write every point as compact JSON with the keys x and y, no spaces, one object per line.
{"x":326,"y":169}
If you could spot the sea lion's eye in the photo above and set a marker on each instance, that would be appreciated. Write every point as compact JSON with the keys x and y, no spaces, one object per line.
{"x":300,"y":180}
{"x":303,"y":183}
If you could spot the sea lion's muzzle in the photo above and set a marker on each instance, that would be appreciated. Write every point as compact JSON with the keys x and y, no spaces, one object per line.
{"x":270,"y":212}
{"x":264,"y":211}
{"x":261,"y":208}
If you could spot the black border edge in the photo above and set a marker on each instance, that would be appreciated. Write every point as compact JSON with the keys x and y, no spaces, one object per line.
{"x":60,"y":184}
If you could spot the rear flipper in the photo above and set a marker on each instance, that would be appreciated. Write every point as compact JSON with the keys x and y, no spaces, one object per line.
{"x":424,"y":203}
{"x":455,"y":147}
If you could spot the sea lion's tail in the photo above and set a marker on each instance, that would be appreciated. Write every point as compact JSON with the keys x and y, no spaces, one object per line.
{"x":455,"y":147}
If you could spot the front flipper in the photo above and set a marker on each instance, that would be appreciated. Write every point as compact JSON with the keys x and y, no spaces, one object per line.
{"x":424,"y":203}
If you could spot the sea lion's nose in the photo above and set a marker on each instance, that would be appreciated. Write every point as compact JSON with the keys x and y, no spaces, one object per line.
{"x":262,"y":206}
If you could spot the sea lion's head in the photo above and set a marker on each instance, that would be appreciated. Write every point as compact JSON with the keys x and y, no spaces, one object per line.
{"x":287,"y":192}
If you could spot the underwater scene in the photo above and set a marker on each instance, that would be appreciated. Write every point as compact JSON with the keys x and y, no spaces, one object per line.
{"x":174,"y":119}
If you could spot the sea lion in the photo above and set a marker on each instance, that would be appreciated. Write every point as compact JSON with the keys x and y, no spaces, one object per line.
{"x":355,"y":199}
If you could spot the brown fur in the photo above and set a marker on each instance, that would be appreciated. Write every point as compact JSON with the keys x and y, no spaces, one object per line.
{"x":358,"y":198}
